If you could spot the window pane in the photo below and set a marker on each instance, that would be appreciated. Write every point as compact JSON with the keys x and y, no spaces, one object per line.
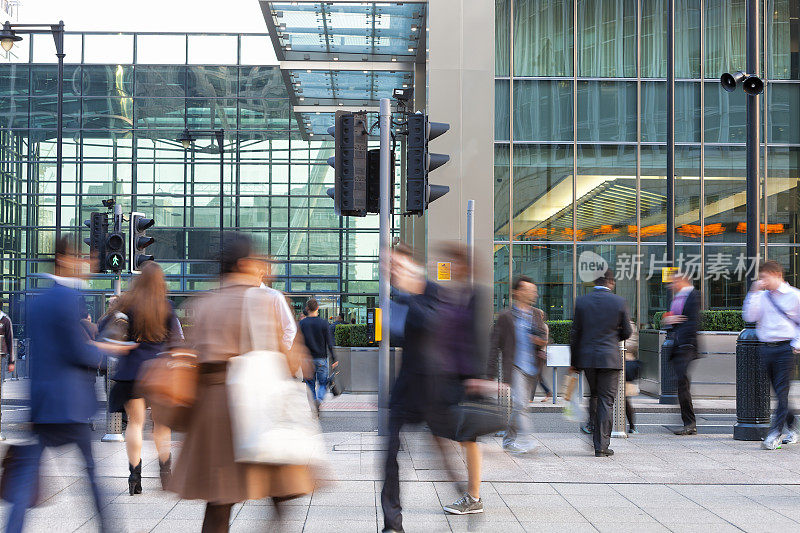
{"x":542,"y":110}
{"x":502,"y":41}
{"x":784,"y":29}
{"x":543,"y":192}
{"x":104,"y":49}
{"x":725,"y":37}
{"x":607,"y":38}
{"x":725,"y":193}
{"x":161,"y":49}
{"x":501,"y":191}
{"x":543,"y":38}
{"x":607,"y":111}
{"x":550,"y":267}
{"x":501,"y":113}
{"x":782,"y":196}
{"x":606,"y":192}
{"x":784,"y":112}
{"x":212,"y":49}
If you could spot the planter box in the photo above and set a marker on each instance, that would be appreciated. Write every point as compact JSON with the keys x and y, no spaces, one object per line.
{"x":358,"y":368}
{"x":713,"y":375}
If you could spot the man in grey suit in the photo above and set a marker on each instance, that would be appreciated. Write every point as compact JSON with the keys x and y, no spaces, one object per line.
{"x":600,"y":322}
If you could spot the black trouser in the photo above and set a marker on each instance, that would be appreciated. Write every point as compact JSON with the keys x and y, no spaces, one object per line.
{"x":778,"y":362}
{"x":217,"y":517}
{"x":682,"y":359}
{"x":603,"y":384}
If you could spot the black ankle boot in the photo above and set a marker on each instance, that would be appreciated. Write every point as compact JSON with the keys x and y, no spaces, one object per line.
{"x":135,"y":479}
{"x":165,"y":470}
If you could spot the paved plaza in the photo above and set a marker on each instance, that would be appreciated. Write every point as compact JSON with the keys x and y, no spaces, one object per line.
{"x":655,"y":482}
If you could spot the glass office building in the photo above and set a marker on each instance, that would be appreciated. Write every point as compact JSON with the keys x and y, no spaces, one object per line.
{"x":127,"y":97}
{"x":581,"y":145}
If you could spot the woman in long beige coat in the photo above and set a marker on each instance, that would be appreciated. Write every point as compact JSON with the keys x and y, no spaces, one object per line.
{"x":206,"y":469}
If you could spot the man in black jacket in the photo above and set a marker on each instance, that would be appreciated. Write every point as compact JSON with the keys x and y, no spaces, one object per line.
{"x":600,"y":323}
{"x":682,"y":322}
{"x":317,"y":335}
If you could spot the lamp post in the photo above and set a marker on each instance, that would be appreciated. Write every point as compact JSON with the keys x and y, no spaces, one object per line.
{"x":10,"y":35}
{"x":752,"y":386}
{"x":186,"y":139}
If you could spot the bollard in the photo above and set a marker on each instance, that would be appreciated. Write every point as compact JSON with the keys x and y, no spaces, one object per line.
{"x":619,"y":430}
{"x":668,"y":379}
{"x":113,"y":420}
{"x":752,"y":388}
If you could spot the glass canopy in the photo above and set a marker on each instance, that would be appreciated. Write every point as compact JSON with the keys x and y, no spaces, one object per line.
{"x":348,"y":31}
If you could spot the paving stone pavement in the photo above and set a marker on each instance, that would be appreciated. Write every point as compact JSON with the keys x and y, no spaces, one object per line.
{"x":655,"y":482}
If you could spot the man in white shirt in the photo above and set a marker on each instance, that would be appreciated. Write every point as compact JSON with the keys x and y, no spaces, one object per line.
{"x":774,"y":306}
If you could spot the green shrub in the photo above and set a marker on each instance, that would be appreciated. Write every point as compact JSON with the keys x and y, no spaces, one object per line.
{"x":713,"y":320}
{"x":353,"y":335}
{"x":559,"y":331}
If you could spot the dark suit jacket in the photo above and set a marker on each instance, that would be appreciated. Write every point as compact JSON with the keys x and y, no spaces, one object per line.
{"x":601,"y":321}
{"x":62,"y":391}
{"x":504,"y":343}
{"x":685,"y":333}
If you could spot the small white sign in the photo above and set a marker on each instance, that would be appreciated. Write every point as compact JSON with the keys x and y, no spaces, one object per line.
{"x":558,"y":355}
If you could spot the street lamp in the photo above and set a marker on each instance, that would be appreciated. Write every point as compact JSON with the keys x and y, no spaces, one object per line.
{"x":186,"y":138}
{"x":752,"y":386}
{"x":9,"y":36}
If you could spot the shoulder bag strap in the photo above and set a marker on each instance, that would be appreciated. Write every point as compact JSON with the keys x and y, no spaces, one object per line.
{"x":781,"y":311}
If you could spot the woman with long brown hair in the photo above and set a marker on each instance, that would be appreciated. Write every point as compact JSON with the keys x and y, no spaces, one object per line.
{"x":151,"y":323}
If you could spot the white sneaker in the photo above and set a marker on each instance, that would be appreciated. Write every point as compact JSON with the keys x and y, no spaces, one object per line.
{"x":793,"y":437}
{"x":772,"y":441}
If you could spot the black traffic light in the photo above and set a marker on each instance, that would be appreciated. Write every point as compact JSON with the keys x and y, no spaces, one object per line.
{"x":114,"y":251}
{"x":140,"y":241}
{"x":98,"y":227}
{"x":419,"y":162}
{"x":350,"y":163}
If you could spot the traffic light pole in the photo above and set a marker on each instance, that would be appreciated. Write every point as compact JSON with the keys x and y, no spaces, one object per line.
{"x":114,"y":420}
{"x":386,"y":196}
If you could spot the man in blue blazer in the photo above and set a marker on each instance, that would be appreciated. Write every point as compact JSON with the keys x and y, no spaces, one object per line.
{"x":62,"y":393}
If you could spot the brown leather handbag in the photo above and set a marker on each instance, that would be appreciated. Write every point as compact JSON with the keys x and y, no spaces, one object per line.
{"x":169,"y":384}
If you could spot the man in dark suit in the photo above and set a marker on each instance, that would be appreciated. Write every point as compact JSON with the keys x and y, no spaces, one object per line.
{"x":62,"y":391}
{"x":600,"y":323}
{"x":682,"y":322}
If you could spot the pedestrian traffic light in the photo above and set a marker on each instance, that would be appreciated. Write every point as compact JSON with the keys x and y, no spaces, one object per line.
{"x":114,"y":251}
{"x":98,"y":226}
{"x":419,"y":162}
{"x":140,"y":241}
{"x":350,"y":134}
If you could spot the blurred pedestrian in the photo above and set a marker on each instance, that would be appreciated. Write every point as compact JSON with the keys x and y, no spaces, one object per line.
{"x":632,"y":366}
{"x":7,"y":349}
{"x":206,"y":468}
{"x":774,"y":306}
{"x":153,"y":324}
{"x":409,"y":401}
{"x":339,"y":320}
{"x":600,"y":323}
{"x":682,"y":322}
{"x":89,"y":328}
{"x":461,"y":361}
{"x":317,"y":335}
{"x":62,"y":394}
{"x":519,"y":336}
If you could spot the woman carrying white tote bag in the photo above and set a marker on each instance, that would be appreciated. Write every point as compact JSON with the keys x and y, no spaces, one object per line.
{"x":271,"y":417}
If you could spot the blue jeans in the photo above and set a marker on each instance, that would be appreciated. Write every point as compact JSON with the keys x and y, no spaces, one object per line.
{"x":319,"y":385}
{"x":778,"y":362}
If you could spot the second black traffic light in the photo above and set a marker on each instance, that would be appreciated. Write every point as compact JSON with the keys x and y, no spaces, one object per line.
{"x":98,"y":227}
{"x":419,"y":162}
{"x":140,"y":241}
{"x":350,"y":163}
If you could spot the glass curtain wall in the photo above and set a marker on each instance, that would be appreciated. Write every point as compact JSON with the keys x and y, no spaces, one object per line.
{"x":127,"y":97}
{"x":581,"y":145}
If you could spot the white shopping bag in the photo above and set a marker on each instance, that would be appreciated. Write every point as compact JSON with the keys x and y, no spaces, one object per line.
{"x":272,"y":420}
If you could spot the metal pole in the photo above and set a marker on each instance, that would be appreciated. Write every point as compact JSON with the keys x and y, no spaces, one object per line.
{"x":384,"y":379}
{"x":114,"y":420}
{"x":471,"y":238}
{"x":58,"y":35}
{"x":671,"y":132}
{"x":752,"y":386}
{"x":619,"y":429}
{"x":219,"y":135}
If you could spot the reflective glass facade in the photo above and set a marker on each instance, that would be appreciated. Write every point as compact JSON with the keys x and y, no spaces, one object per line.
{"x":581,"y":148}
{"x":127,"y":97}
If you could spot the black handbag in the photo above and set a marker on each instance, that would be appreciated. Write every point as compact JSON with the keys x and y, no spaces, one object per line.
{"x":473,"y":418}
{"x":333,"y":382}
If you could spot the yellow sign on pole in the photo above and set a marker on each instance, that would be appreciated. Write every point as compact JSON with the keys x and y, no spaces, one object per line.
{"x":378,"y":325}
{"x":666,"y":274}
{"x":443,"y":271}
